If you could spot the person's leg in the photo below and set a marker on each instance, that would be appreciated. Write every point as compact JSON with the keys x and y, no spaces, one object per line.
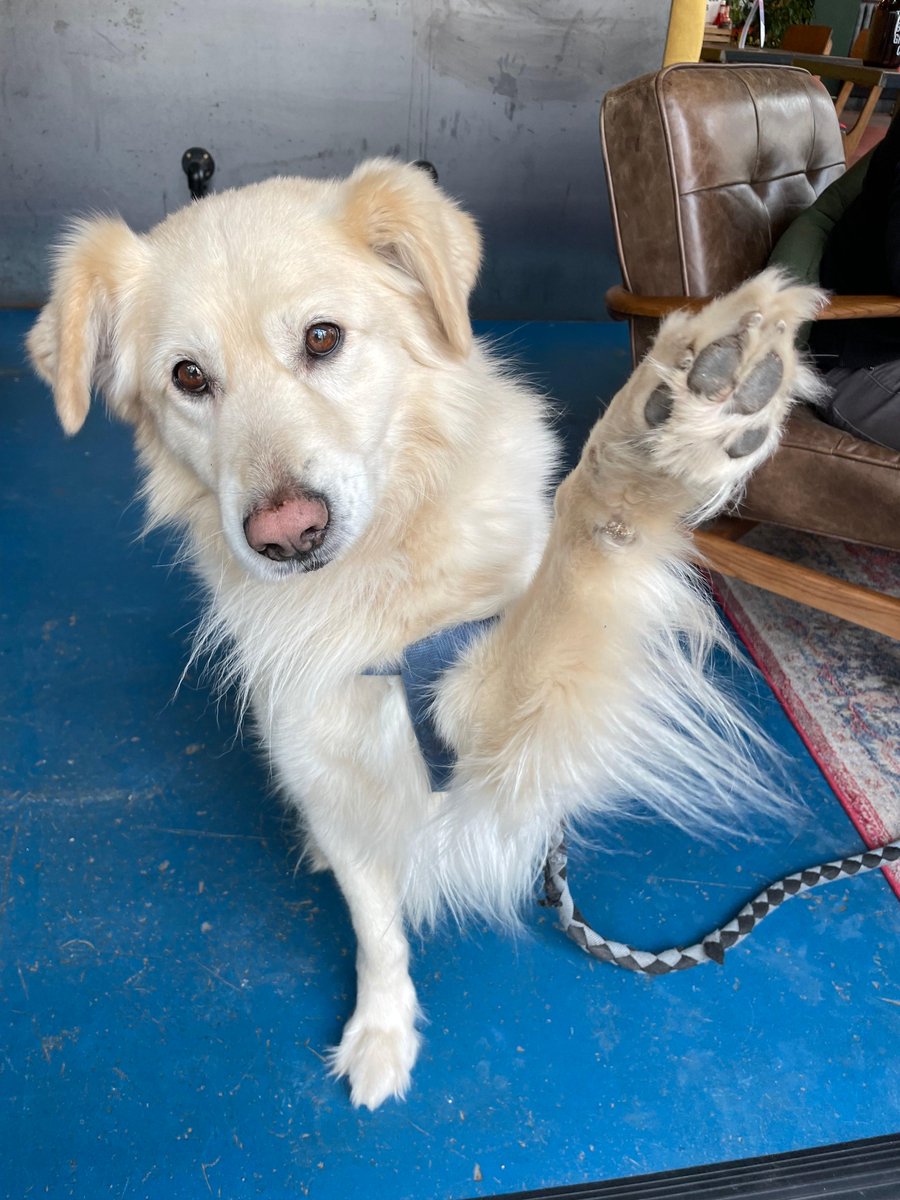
{"x":865,"y":402}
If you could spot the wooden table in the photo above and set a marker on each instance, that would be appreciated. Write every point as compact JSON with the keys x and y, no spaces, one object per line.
{"x":849,"y":71}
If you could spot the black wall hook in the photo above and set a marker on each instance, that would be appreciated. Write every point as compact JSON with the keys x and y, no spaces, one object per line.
{"x":199,"y":167}
{"x":429,"y":168}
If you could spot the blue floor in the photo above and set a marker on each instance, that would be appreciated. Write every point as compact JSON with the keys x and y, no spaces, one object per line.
{"x":170,"y":986}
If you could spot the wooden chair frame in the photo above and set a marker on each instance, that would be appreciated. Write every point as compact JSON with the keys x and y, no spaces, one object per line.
{"x":808,"y":39}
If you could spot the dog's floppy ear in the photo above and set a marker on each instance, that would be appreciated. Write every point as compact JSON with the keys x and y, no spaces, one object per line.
{"x":71,"y":345}
{"x":398,"y":211}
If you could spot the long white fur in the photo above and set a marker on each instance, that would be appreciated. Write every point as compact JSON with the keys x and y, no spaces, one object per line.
{"x":589,"y":692}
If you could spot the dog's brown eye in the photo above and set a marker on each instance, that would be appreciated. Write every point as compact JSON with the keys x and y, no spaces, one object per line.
{"x":322,"y":339}
{"x":188,"y":377}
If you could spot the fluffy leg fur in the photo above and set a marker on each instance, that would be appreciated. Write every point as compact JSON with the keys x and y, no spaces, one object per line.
{"x":356,"y":813}
{"x":591,"y":691}
{"x":380,"y":1042}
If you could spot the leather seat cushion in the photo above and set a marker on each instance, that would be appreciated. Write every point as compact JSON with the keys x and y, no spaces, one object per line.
{"x":825,"y":481}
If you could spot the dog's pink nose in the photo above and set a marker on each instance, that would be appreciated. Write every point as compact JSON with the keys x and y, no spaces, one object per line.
{"x":289,"y":528}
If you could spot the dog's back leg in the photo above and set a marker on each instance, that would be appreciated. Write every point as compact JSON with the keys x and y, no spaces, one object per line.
{"x":591,"y":688}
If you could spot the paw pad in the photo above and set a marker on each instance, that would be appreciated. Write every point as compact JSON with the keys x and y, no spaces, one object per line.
{"x":745,"y":443}
{"x":712,"y":398}
{"x":760,"y":386}
{"x":715,"y":367}
{"x":658,"y":408}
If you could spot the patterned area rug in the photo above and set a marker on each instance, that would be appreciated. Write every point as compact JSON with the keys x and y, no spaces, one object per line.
{"x":839,"y":684}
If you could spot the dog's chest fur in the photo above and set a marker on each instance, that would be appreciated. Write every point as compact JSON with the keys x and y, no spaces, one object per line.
{"x":297,"y":649}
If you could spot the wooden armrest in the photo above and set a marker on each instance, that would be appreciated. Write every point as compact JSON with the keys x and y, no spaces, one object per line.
{"x":842,"y":308}
{"x":622,"y":303}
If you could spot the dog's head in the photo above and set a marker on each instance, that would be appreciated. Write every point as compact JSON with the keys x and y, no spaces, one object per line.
{"x":265,"y":342}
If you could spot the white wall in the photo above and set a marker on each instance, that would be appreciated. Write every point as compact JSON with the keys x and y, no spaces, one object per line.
{"x":101,"y":97}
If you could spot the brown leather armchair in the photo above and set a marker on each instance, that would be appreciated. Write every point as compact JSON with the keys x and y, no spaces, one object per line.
{"x":707,"y":165}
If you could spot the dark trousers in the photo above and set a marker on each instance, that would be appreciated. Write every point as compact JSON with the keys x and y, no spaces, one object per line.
{"x":865,"y":402}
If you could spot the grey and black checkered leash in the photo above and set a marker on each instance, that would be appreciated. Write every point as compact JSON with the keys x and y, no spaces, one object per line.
{"x":712,"y":948}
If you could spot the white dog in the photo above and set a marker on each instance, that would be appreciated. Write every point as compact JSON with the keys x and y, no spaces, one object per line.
{"x":353,"y":473}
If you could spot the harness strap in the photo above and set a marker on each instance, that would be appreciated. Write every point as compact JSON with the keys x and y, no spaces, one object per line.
{"x":420,"y":668}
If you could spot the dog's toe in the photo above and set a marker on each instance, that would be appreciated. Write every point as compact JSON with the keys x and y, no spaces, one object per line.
{"x":659,"y":406}
{"x":715,"y":367}
{"x":760,"y":385}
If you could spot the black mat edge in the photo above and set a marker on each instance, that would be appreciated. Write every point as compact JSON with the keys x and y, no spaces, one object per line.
{"x":863,"y":1170}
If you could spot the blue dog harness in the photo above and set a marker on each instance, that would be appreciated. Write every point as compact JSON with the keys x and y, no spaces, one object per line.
{"x":420,"y":667}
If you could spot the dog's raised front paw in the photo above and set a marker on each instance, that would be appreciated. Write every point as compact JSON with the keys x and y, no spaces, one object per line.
{"x":718,"y":384}
{"x":377,"y":1061}
{"x":703,"y":410}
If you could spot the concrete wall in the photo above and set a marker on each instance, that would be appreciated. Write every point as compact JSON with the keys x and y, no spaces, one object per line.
{"x":101,"y":97}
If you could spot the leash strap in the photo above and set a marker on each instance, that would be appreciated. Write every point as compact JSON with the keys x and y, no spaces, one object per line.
{"x":712,"y":948}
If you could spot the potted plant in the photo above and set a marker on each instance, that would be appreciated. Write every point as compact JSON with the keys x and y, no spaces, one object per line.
{"x":780,"y":15}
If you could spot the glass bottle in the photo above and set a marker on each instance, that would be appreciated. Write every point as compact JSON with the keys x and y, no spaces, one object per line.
{"x":883,"y":48}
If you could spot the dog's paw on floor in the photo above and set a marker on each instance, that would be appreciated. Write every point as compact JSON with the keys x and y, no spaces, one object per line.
{"x":377,"y":1061}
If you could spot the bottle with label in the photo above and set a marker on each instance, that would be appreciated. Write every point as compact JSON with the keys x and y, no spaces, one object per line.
{"x":883,"y":49}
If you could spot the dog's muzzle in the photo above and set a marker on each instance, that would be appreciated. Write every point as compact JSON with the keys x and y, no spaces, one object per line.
{"x":288,"y":528}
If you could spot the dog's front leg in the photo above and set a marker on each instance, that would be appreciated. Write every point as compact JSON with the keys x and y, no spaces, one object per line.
{"x":590,"y":691}
{"x":380,"y":1041}
{"x":349,"y":764}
